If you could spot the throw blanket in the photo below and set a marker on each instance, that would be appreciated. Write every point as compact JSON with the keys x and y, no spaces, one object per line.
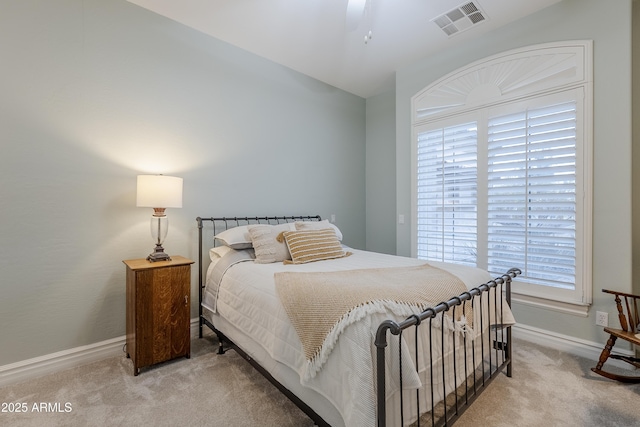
{"x":321,"y":305}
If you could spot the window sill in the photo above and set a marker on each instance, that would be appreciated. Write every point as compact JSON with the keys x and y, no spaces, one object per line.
{"x":581,"y":310}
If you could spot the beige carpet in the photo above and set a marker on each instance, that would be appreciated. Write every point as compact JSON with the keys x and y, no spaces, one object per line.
{"x":552,"y":388}
{"x":549,"y":388}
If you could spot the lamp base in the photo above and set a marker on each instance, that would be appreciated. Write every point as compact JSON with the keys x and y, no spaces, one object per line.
{"x":158,"y":255}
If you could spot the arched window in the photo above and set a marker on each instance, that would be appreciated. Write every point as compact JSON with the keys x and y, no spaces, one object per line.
{"x":502,"y":169}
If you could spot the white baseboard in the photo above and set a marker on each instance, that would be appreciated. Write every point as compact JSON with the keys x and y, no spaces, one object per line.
{"x":567,"y":344}
{"x":50,"y":363}
{"x":55,"y":362}
{"x":66,"y":359}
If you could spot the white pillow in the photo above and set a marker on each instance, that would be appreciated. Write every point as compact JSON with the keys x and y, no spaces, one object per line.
{"x":318,"y":225}
{"x":236,"y":237}
{"x":218,"y":252}
{"x":267,"y":248}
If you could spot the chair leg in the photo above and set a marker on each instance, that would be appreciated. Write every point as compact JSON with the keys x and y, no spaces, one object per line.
{"x":606,"y":351}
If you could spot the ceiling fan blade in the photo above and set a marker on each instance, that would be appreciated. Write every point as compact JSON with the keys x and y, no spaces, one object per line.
{"x":355,"y":10}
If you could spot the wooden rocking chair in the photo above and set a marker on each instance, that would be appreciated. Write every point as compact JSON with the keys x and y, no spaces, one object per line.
{"x":629,"y":321}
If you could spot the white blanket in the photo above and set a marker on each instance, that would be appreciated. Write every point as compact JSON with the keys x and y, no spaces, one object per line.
{"x":247,"y":298}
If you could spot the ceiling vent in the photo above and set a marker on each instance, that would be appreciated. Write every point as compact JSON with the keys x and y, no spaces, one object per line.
{"x":460,"y":18}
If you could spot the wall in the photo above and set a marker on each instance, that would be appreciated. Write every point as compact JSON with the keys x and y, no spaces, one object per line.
{"x":381,"y":174}
{"x":95,"y":92}
{"x":635,"y":109}
{"x":609,"y":25}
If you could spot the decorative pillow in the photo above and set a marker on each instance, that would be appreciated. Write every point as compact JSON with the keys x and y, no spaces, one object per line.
{"x":235,"y":238}
{"x":219,"y":252}
{"x":267,"y":248}
{"x":312,"y":245}
{"x":318,"y":225}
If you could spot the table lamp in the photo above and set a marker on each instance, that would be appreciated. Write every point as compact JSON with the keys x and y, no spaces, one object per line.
{"x":159,"y":192}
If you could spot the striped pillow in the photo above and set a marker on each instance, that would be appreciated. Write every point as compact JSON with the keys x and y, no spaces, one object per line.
{"x":313,"y":245}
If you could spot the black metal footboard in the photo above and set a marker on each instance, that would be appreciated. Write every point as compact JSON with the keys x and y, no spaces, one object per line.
{"x":454,"y":367}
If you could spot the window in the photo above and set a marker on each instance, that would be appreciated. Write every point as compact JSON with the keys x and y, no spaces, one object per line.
{"x":503,"y":182}
{"x":531,"y":194}
{"x":447,"y":194}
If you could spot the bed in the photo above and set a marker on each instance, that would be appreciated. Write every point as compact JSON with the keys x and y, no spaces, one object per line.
{"x":417,"y":358}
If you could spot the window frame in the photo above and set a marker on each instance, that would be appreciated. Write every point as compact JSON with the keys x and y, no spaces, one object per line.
{"x":487,"y":98}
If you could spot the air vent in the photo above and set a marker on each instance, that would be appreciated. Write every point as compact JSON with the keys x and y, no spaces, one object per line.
{"x":460,"y":18}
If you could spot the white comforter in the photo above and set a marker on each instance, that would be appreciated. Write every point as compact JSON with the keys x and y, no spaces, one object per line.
{"x":247,"y":298}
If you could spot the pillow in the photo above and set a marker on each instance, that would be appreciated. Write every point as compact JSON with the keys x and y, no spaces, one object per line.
{"x":219,"y":252}
{"x":235,"y":238}
{"x":267,"y":248}
{"x":313,"y":245}
{"x":318,"y":225}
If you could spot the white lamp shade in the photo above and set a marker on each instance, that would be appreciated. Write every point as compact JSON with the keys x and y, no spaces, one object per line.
{"x":159,"y":191}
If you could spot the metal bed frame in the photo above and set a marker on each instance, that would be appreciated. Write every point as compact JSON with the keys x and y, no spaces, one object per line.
{"x":493,"y":358}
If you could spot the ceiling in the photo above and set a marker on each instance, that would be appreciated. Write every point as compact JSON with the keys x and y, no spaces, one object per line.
{"x":325,"y":39}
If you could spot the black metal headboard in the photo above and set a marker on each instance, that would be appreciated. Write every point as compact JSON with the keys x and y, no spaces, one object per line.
{"x":219,"y":224}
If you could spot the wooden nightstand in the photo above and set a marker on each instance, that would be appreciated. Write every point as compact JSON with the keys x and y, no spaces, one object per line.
{"x":158,"y":310}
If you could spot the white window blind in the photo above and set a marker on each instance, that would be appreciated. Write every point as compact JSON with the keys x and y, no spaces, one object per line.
{"x":447,"y":194}
{"x":502,"y":172}
{"x":532,"y":194}
{"x":523,"y":214}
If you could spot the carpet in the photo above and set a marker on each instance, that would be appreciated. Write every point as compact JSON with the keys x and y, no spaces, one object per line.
{"x":548,"y":388}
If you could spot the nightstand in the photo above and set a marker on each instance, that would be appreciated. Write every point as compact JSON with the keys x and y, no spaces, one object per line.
{"x":158,"y":310}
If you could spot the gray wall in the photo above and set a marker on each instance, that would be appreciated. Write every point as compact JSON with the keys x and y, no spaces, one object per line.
{"x":608,"y":23}
{"x":635,"y":108}
{"x":381,"y":173}
{"x":95,"y":92}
